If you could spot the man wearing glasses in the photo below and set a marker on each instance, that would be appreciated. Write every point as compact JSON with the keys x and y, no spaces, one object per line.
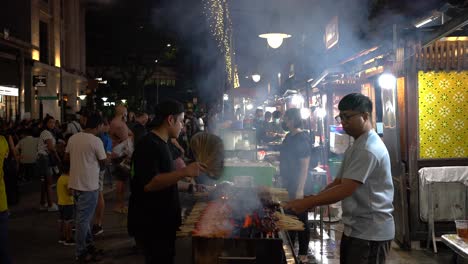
{"x":363,"y":184}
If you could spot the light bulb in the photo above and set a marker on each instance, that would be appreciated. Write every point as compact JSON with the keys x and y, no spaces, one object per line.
{"x":104,"y":99}
{"x":387,"y":81}
{"x":256,"y":77}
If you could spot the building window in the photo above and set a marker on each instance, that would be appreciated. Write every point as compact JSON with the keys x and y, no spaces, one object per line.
{"x":44,"y":42}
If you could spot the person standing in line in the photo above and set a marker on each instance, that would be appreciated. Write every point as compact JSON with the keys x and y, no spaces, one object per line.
{"x":99,"y":214}
{"x":139,"y":127}
{"x":295,"y":153}
{"x":363,"y":184}
{"x":4,"y":251}
{"x":86,"y":154}
{"x":121,"y":144}
{"x":73,"y":125}
{"x":154,"y":208}
{"x":47,"y":159}
{"x":27,"y":149}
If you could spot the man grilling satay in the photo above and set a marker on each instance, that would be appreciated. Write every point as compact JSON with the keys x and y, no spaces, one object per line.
{"x":154,"y":208}
{"x":364,"y":184}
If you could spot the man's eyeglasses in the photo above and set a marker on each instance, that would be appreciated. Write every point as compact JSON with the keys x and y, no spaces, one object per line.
{"x":343,"y":117}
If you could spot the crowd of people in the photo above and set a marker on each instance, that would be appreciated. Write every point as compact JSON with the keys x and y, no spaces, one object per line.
{"x":73,"y":162}
{"x":146,"y":155}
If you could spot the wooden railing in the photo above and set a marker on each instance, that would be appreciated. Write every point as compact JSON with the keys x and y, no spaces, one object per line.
{"x":443,"y":56}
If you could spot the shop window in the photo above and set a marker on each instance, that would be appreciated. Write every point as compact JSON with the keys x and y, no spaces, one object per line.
{"x":44,"y":42}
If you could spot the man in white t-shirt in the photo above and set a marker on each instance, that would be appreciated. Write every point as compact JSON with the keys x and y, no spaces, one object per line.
{"x":86,"y":153}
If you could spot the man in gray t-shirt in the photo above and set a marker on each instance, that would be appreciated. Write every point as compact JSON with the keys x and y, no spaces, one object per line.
{"x":363,"y":184}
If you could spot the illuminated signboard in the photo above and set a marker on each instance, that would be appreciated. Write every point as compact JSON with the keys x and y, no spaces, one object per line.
{"x":10,"y":91}
{"x":332,"y":34}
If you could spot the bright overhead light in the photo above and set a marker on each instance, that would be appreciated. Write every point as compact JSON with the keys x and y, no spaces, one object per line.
{"x":297,"y":100}
{"x":124,"y":101}
{"x":256,"y":77}
{"x":168,"y":45}
{"x":424,"y":22}
{"x":104,"y":99}
{"x":249,"y":106}
{"x":387,"y":81}
{"x":305,"y":113}
{"x":82,"y":96}
{"x":274,"y":39}
{"x":99,"y":79}
{"x":156,"y":61}
{"x":225,"y":97}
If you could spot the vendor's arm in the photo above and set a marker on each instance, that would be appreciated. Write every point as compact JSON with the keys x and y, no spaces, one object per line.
{"x":334,"y":194}
{"x":350,"y":178}
{"x":164,"y":180}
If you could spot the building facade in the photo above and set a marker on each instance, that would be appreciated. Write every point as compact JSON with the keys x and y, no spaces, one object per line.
{"x":42,"y":54}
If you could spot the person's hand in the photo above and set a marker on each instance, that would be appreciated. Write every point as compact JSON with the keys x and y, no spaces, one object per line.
{"x":298,"y":206}
{"x":193,"y":169}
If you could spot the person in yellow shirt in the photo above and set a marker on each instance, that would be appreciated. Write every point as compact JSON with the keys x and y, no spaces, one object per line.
{"x":4,"y":255}
{"x":66,"y":207}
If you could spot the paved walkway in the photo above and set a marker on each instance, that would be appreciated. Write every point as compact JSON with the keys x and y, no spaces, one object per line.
{"x":33,"y":236}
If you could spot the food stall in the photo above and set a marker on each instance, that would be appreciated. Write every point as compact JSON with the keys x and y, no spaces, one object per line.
{"x":240,"y":224}
{"x":419,"y":117}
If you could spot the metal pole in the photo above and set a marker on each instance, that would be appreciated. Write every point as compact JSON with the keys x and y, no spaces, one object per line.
{"x":62,"y":107}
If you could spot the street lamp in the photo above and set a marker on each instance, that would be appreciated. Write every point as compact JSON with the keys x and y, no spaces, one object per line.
{"x":274,"y":40}
{"x":104,"y":99}
{"x":256,"y":77}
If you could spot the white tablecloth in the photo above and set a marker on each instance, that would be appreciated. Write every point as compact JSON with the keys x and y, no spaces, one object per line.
{"x":444,"y":174}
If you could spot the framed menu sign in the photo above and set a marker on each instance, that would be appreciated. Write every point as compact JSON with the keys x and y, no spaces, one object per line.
{"x":332,"y":34}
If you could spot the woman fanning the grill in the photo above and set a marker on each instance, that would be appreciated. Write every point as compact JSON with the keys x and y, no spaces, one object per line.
{"x":154,"y":208}
{"x":294,"y":164}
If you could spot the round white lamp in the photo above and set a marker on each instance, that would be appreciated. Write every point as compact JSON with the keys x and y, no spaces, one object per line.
{"x":274,"y":40}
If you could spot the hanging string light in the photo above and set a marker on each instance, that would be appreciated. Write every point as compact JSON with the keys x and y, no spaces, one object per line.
{"x":220,"y":23}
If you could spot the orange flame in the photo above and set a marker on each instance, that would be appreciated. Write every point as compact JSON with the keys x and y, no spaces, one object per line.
{"x":247,"y":221}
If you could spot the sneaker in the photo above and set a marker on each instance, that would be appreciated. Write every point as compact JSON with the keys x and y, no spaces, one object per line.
{"x":97,"y":230}
{"x":53,"y":208}
{"x":43,"y":207}
{"x":70,"y":242}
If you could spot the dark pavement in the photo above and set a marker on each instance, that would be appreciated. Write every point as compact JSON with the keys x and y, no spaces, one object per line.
{"x":33,"y":237}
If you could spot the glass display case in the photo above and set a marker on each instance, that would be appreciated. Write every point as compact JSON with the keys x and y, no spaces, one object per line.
{"x":240,"y":144}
